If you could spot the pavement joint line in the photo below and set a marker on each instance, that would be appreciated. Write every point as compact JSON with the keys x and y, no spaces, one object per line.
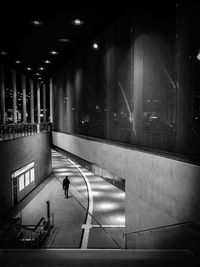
{"x":103,"y":226}
{"x":90,"y":207}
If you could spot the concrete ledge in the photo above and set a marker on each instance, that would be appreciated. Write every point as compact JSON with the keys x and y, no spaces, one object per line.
{"x":97,"y":258}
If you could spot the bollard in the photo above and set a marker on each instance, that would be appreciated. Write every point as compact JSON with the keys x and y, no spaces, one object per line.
{"x":48,"y":209}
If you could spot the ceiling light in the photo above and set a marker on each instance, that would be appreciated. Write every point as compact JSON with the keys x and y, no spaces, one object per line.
{"x":18,"y":62}
{"x":63,"y":40}
{"x":39,"y":78}
{"x":3,"y":53}
{"x":77,"y":22}
{"x":198,"y":55}
{"x":47,"y":61}
{"x":37,"y":74}
{"x":95,"y":46}
{"x":28,"y":68}
{"x":53,"y":52}
{"x":36,"y":22}
{"x":41,"y":68}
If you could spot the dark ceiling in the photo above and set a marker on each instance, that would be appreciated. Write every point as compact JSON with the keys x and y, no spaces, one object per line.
{"x":21,"y":40}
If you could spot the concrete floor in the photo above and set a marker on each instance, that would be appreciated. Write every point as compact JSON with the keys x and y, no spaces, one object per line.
{"x":92,"y":217}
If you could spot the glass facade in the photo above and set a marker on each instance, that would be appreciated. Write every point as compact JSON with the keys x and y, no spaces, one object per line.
{"x":140,"y":87}
{"x":8,"y":96}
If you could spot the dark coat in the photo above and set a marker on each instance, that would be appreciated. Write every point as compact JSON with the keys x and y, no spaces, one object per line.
{"x":66,"y":183}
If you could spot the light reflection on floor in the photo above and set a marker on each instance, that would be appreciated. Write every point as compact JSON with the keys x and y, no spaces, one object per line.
{"x":108,"y":200}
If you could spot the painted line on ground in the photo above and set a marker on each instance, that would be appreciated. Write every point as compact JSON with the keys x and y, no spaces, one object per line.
{"x":85,"y":239}
{"x":84,"y":226}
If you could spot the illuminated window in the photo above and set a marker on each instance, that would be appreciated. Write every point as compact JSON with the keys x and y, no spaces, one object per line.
{"x":21,"y":182}
{"x":27,"y":180}
{"x":32,"y":175}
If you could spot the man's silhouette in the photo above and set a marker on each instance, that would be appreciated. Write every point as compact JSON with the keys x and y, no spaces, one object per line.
{"x":66,"y":183}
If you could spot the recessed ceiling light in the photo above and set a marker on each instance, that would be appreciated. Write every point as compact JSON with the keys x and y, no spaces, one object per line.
{"x":37,"y":74}
{"x":63,"y":40}
{"x":47,"y":61}
{"x":53,"y":52}
{"x":18,"y":62}
{"x":3,"y":53}
{"x":28,"y":68}
{"x":77,"y":22}
{"x":41,"y":68}
{"x":36,"y":22}
{"x":198,"y":55}
{"x":95,"y":46}
{"x":39,"y":78}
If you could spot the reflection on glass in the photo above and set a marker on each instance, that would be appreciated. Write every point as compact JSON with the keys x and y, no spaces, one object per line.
{"x":8,"y":96}
{"x":141,"y":87}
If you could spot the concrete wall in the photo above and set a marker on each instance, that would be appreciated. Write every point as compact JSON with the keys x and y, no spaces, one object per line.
{"x":159,"y":190}
{"x":17,"y":153}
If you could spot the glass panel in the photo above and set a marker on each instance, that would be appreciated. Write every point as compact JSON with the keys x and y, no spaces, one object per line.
{"x":19,"y":98}
{"x":28,"y":101}
{"x":21,"y":182}
{"x":27,"y":180}
{"x":8,"y":96}
{"x":47,"y":103}
{"x":32,"y":174}
{"x":35,"y":101}
{"x":41,"y":104}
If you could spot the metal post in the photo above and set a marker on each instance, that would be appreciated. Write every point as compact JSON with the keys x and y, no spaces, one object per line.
{"x":48,"y":209}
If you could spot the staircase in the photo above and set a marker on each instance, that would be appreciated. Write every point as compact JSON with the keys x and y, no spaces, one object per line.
{"x":14,"y":235}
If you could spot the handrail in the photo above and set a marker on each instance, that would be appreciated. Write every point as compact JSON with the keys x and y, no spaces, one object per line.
{"x":19,"y":226}
{"x":161,"y":227}
{"x":16,"y":130}
{"x":38,"y":224}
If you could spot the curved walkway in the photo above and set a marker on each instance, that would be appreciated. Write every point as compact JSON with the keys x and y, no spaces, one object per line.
{"x":92,"y":217}
{"x":105,"y":221}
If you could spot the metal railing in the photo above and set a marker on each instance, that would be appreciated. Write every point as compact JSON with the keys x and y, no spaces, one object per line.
{"x":12,"y":131}
{"x":163,"y":227}
{"x":14,"y":235}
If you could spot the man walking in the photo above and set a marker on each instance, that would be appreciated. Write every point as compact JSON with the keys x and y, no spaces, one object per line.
{"x":66,"y":183}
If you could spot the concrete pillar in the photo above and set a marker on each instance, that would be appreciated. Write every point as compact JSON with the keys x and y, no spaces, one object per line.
{"x":14,"y":87}
{"x":2,"y":95}
{"x":38,"y":103}
{"x":44,"y":103}
{"x":24,"y":98}
{"x":51,"y":99}
{"x":32,"y":100}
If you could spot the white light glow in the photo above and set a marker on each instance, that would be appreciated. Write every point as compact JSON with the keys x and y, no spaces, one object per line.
{"x":36,"y":22}
{"x":198,"y":55}
{"x":47,"y":61}
{"x":53,"y":52}
{"x":3,"y":53}
{"x":106,"y":206}
{"x":119,"y":219}
{"x":77,"y":22}
{"x":95,"y":46}
{"x":28,"y":68}
{"x":63,"y":40}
